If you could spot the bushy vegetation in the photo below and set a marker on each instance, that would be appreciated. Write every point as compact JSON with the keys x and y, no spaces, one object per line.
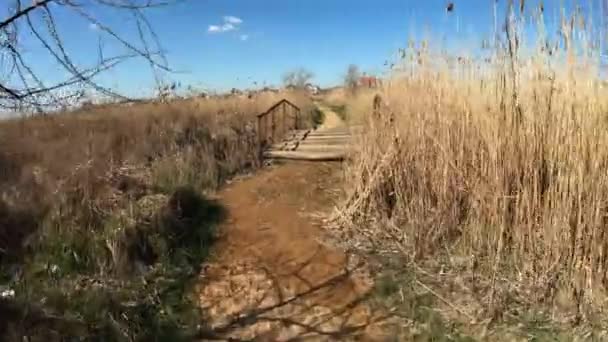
{"x":104,"y":216}
{"x":317,"y":117}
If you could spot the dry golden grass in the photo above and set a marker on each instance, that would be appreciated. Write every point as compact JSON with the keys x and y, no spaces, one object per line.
{"x":335,"y":96}
{"x":89,"y":196}
{"x":198,"y":142}
{"x":500,"y":168}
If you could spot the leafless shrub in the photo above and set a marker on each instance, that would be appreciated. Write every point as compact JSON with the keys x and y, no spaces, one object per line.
{"x":351,"y":80}
{"x":297,"y":78}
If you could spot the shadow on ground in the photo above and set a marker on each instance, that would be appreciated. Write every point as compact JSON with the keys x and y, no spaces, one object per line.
{"x":270,"y":278}
{"x":255,"y":304}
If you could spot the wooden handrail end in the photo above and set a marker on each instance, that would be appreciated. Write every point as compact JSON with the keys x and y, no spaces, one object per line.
{"x":273,"y":107}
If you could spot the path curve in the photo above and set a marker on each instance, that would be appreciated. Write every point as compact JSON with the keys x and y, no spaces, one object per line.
{"x":331,"y":119}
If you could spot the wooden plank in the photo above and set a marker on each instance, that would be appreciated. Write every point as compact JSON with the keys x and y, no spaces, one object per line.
{"x":310,"y":156}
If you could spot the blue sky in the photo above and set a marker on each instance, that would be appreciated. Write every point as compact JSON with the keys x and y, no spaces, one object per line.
{"x":220,"y":44}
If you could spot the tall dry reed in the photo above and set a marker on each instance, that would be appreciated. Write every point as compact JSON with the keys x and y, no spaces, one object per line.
{"x":502,"y":159}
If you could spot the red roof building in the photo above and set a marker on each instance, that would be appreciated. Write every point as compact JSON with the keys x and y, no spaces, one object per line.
{"x":369,"y":82}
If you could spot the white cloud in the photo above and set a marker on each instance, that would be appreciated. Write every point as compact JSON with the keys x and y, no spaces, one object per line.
{"x":231,"y":23}
{"x":233,"y":20}
{"x":214,"y":28}
{"x":223,"y":28}
{"x":244,"y":37}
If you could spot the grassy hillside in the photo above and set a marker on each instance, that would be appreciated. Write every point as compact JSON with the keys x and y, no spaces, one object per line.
{"x":104,"y":218}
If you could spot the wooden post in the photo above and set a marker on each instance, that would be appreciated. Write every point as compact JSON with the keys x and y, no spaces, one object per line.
{"x":297,"y":118}
{"x":267,"y":128}
{"x":260,"y":134}
{"x":261,"y":130}
{"x":284,"y":118}
{"x":273,"y":120}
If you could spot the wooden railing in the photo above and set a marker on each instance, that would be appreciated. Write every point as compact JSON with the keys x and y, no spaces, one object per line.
{"x":277,"y":121}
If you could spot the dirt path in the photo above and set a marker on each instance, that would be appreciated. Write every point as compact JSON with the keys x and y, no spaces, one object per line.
{"x":271,"y":280}
{"x":331,"y":119}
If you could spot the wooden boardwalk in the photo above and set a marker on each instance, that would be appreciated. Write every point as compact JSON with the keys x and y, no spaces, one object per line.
{"x":331,"y":141}
{"x":323,"y":144}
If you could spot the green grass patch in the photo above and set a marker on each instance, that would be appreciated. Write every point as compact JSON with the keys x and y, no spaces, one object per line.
{"x":398,"y":291}
{"x":317,"y":116}
{"x":126,"y":282}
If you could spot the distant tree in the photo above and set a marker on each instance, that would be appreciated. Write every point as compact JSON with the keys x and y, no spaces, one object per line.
{"x":297,"y":78}
{"x":351,"y":80}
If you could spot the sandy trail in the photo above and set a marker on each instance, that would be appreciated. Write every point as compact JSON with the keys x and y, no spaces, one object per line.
{"x":331,"y":119}
{"x":270,"y":279}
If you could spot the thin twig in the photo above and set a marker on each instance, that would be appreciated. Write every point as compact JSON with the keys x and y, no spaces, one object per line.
{"x":457,"y":309}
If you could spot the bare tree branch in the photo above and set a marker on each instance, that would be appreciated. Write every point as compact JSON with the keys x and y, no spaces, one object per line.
{"x":297,"y":78}
{"x":23,"y":12}
{"x":20,"y":84}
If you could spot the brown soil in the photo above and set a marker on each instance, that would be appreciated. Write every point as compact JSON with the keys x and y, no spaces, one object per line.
{"x":271,"y":280}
